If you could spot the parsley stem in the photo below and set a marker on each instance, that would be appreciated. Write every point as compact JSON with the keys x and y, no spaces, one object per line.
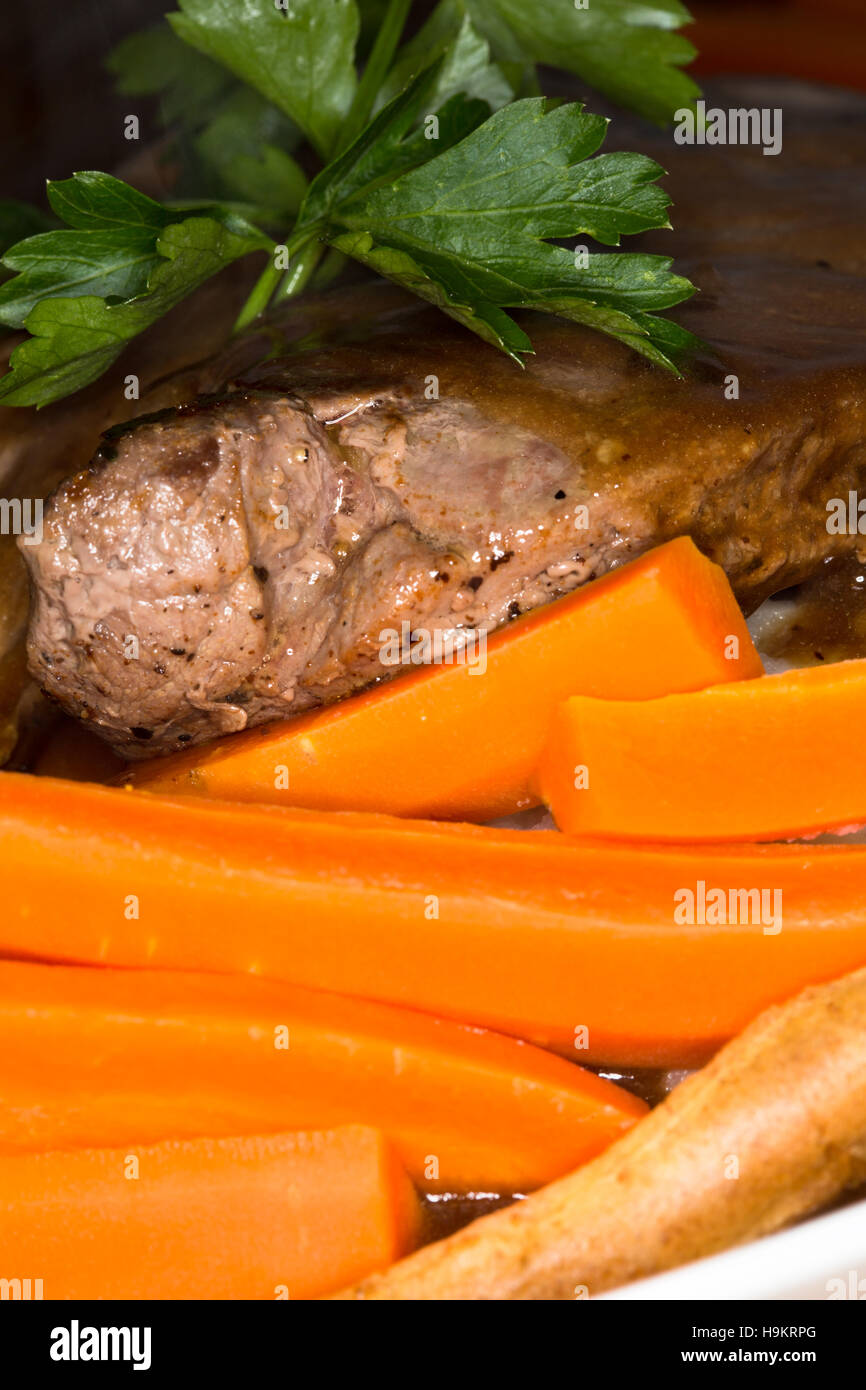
{"x":330,"y":268}
{"x":298,"y":275}
{"x":259,"y":297}
{"x":378,"y":63}
{"x":268,"y":282}
{"x":274,"y":284}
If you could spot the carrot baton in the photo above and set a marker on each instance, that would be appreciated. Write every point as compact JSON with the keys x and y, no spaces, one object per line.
{"x":457,"y":742}
{"x":104,"y":1058}
{"x":610,"y":953}
{"x":287,"y":1216}
{"x":772,"y":1129}
{"x":758,"y":760}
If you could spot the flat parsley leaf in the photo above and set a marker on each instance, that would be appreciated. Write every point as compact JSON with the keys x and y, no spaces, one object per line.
{"x":390,"y":145}
{"x":627,"y":49}
{"x":224,"y":137}
{"x":154,"y":61}
{"x":240,"y":144}
{"x":471,"y":229}
{"x":67,"y":263}
{"x":463,"y":207}
{"x":450,"y":35}
{"x":135,"y":260}
{"x":300,"y":57}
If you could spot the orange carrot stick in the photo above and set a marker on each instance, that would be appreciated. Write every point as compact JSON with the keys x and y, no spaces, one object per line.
{"x":458,"y":743}
{"x":102,"y":1058}
{"x":591,"y":949}
{"x":766,"y":759}
{"x":292,"y":1215}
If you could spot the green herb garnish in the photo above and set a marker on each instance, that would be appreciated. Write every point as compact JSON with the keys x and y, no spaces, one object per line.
{"x":435,"y":169}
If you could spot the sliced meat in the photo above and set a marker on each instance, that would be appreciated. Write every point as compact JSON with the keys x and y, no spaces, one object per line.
{"x":256,"y":545}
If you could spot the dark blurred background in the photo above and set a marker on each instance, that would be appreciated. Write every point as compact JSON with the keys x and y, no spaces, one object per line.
{"x":57,"y":104}
{"x":59,"y":111}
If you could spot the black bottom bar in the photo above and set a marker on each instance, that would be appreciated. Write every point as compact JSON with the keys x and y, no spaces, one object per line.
{"x":223,"y":1340}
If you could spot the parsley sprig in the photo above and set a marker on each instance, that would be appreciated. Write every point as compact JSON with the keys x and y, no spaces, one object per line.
{"x":436,"y":170}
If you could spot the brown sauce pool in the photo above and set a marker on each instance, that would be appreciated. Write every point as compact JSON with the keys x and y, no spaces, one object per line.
{"x":822,"y":620}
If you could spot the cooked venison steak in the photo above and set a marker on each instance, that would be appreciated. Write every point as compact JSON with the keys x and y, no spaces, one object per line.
{"x":256,"y":543}
{"x":39,"y":449}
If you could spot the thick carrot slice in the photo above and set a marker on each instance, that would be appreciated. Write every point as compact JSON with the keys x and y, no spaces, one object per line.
{"x":453,"y":742}
{"x":103,"y":1058}
{"x":760,"y":760}
{"x":532,"y":933}
{"x":289,"y":1215}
